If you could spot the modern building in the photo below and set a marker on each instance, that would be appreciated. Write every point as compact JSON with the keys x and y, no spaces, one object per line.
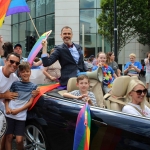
{"x":5,"y":30}
{"x":80,"y":15}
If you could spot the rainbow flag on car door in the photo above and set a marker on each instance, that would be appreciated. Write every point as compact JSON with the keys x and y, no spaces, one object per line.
{"x":82,"y":131}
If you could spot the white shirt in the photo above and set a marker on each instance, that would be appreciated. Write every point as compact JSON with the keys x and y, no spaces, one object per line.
{"x":5,"y":84}
{"x":131,"y":110}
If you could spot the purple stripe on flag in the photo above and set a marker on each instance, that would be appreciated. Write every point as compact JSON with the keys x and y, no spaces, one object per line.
{"x":17,"y":9}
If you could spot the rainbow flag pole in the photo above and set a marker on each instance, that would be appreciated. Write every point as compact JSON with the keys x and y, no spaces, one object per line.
{"x":82,"y":131}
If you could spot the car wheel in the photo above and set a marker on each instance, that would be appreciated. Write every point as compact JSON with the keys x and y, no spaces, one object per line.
{"x":34,"y":138}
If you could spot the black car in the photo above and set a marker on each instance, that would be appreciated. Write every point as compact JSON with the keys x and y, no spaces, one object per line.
{"x":51,"y":125}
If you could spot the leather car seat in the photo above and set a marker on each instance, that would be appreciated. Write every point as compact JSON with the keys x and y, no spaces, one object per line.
{"x":95,"y":87}
{"x":116,"y":100}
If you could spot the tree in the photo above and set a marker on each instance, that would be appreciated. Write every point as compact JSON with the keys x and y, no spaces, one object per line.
{"x":129,"y":19}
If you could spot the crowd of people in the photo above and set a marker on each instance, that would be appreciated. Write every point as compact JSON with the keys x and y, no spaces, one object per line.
{"x":63,"y":62}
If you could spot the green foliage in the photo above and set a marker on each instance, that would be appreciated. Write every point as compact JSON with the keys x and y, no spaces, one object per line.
{"x":133,"y":19}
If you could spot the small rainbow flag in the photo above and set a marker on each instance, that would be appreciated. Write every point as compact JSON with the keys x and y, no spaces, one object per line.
{"x":17,"y":6}
{"x":82,"y":131}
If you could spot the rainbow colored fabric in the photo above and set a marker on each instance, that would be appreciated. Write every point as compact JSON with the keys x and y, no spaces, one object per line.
{"x":43,"y":89}
{"x":37,"y":47}
{"x":82,"y":131}
{"x":17,"y":6}
{"x":4,"y":4}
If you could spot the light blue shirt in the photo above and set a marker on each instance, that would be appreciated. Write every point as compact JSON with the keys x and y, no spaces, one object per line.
{"x":74,"y":53}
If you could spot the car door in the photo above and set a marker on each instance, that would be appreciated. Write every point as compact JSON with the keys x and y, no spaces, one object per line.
{"x":111,"y":130}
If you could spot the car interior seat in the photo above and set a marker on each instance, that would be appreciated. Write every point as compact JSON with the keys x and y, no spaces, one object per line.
{"x":95,"y":87}
{"x":116,"y":99}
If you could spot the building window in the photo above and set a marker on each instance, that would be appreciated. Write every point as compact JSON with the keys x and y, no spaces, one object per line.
{"x":89,"y":11}
{"x":42,"y":13}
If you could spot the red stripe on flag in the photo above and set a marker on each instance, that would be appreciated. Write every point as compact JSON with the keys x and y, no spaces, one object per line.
{"x":43,"y":89}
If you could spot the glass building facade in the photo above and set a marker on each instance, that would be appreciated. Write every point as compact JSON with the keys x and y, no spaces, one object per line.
{"x":42,"y":13}
{"x":89,"y":11}
{"x":43,"y":16}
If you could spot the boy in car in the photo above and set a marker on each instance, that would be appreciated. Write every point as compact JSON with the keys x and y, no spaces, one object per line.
{"x":16,"y":109}
{"x":83,"y":94}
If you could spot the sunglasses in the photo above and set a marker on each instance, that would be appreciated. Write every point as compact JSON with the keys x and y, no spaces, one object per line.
{"x":12,"y":62}
{"x":139,"y":92}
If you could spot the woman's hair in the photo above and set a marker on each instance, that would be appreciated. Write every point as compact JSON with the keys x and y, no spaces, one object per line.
{"x":132,"y":54}
{"x":8,"y":48}
{"x":131,"y":85}
{"x":81,"y":77}
{"x":99,"y":54}
{"x":108,"y":55}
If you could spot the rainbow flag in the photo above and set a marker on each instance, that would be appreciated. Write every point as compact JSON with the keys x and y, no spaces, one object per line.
{"x":37,"y":46}
{"x":4,"y":4}
{"x":82,"y":131}
{"x":17,"y":6}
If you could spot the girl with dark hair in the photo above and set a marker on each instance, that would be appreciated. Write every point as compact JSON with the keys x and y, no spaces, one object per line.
{"x":110,"y":61}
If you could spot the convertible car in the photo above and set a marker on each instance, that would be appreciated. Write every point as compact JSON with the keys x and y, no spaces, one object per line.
{"x":51,"y":124}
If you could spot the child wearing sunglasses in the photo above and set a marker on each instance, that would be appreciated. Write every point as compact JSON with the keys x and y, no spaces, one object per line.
{"x":136,"y":96}
{"x":16,"y":109}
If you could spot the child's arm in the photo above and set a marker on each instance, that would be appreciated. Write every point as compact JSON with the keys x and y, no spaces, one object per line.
{"x":114,"y":75}
{"x":68,"y":95}
{"x":8,"y":110}
{"x":26,"y":106}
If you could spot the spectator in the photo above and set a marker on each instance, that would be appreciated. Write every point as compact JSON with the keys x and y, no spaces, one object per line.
{"x":143,"y":71}
{"x":136,"y":96}
{"x":37,"y":63}
{"x":18,"y":50}
{"x":132,"y":68}
{"x":16,"y":109}
{"x":88,"y":65}
{"x":52,"y":72}
{"x":1,"y":51}
{"x":7,"y":77}
{"x":8,"y":48}
{"x":94,"y":60}
{"x":82,"y":94}
{"x":147,"y":64}
{"x":69,"y":54}
{"x":108,"y":73}
{"x":111,"y":62}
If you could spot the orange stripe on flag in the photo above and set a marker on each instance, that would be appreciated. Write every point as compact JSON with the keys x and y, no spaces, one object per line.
{"x":43,"y":89}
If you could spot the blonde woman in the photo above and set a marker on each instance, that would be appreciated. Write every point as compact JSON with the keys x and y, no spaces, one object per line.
{"x":136,"y":96}
{"x":52,"y":73}
{"x":132,"y":68}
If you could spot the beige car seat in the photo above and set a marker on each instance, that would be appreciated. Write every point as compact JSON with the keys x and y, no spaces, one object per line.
{"x":116,"y":100}
{"x":95,"y":87}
